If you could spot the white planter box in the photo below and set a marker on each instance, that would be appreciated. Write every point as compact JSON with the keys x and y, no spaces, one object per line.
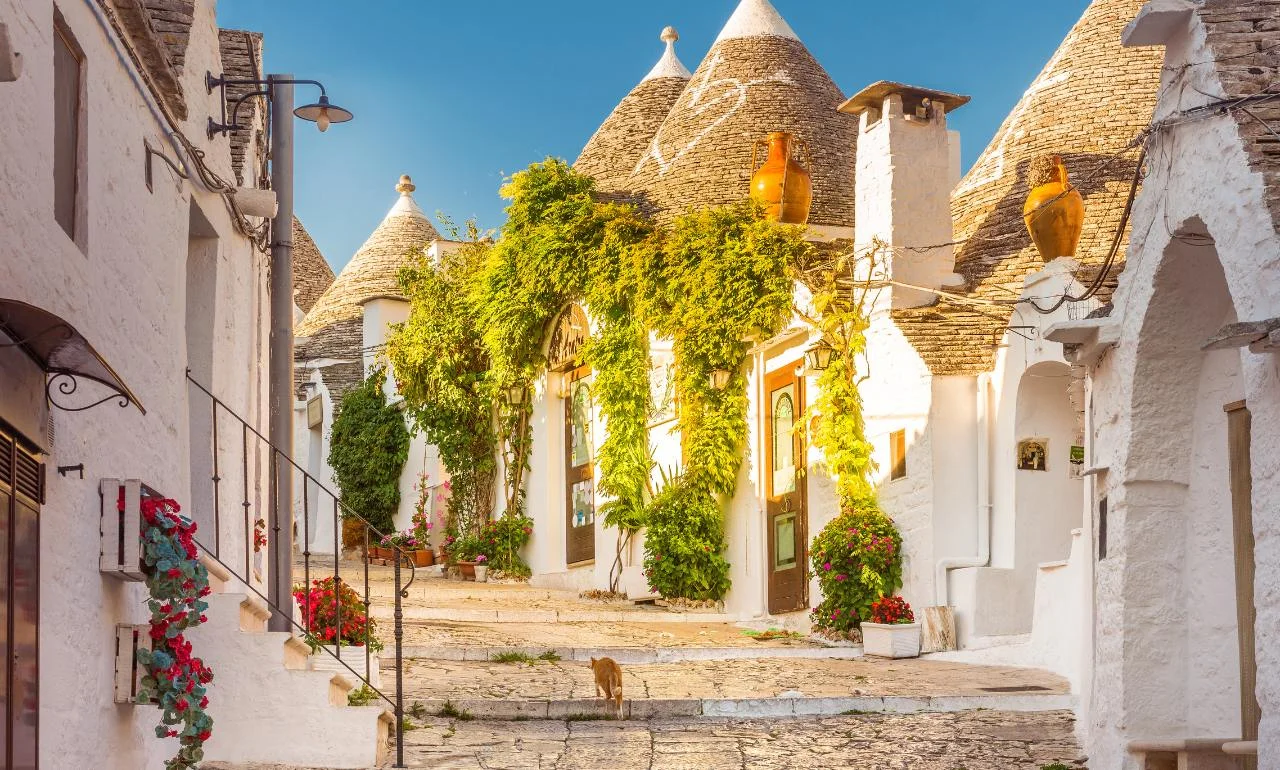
{"x":129,"y":672}
{"x":482,"y":573}
{"x":897,"y":641}
{"x":121,"y":531}
{"x":351,"y":656}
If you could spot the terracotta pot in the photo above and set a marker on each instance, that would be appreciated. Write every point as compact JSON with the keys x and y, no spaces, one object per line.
{"x":468,"y":569}
{"x":375,"y":553}
{"x":1054,"y":211}
{"x":782,"y":184}
{"x":423,"y":558}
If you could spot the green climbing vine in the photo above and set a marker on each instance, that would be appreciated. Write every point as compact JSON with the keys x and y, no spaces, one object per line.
{"x":710,"y":282}
{"x":857,"y":558}
{"x":368,"y":446}
{"x":442,"y":367}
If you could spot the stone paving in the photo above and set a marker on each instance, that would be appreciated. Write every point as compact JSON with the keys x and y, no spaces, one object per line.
{"x":714,"y":679}
{"x":599,"y":635}
{"x":986,"y":740}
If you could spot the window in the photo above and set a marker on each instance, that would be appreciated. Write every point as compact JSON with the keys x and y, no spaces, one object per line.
{"x":898,"y":455}
{"x":67,"y":64}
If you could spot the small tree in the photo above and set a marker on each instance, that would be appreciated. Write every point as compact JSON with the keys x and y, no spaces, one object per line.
{"x":368,"y":446}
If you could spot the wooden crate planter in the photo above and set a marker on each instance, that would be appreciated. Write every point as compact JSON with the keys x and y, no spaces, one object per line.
{"x":129,"y":672}
{"x":121,"y":530}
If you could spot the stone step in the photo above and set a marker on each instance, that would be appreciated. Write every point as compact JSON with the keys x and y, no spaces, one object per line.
{"x":385,"y":612}
{"x":625,"y":655}
{"x":510,"y":709}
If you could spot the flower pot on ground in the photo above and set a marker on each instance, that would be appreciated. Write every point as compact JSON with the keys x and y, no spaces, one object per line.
{"x":423,"y":558}
{"x":892,"y":632}
{"x":353,"y":659}
{"x":467,"y":569}
{"x":482,"y":573}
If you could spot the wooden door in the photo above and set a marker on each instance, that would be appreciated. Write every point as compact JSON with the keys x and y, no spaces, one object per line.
{"x":1239,"y":440}
{"x":21,"y":489}
{"x":785,"y":516}
{"x":579,"y":460}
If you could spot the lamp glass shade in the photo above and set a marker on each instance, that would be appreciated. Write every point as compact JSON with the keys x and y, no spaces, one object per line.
{"x":515,"y":395}
{"x":819,"y":356}
{"x":720,"y":378}
{"x":323,"y":113}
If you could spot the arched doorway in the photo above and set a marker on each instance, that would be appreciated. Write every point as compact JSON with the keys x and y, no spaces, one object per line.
{"x":563,"y":357}
{"x":1183,"y":491}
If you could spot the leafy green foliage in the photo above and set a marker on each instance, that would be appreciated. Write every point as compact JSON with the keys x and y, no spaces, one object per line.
{"x":368,"y":446}
{"x":858,"y":560}
{"x":501,"y":542}
{"x":684,"y":545}
{"x":362,"y":696}
{"x":441,"y":365}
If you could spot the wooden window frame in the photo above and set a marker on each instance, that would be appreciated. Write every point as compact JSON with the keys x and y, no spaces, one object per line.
{"x":898,"y":455}
{"x":77,"y":228}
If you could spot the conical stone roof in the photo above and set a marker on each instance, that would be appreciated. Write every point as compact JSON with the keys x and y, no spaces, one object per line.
{"x":312,"y":275}
{"x":1088,"y":104}
{"x":758,"y":77}
{"x":623,"y":139}
{"x":334,"y":327}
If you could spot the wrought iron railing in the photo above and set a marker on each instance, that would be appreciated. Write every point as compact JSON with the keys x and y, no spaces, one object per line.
{"x":258,"y":461}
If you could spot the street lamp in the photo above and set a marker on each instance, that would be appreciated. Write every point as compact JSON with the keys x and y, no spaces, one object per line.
{"x":279,"y":92}
{"x":720,"y":378}
{"x":516,"y":395}
{"x":819,"y":356}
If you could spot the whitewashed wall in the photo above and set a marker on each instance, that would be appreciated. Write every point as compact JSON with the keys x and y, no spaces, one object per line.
{"x":1154,"y":401}
{"x":126,"y":292}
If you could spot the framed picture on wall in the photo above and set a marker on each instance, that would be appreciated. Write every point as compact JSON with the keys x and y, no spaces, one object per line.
{"x":1033,"y":454}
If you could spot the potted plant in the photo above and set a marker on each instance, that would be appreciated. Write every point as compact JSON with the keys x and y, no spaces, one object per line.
{"x":337,"y":618}
{"x":893,"y":631}
{"x":482,"y":568}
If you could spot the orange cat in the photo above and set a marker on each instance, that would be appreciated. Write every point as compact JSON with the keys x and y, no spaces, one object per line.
{"x":609,"y":680}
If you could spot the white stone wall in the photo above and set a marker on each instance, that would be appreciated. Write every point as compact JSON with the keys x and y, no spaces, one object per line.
{"x":125,"y":291}
{"x":1151,"y":416}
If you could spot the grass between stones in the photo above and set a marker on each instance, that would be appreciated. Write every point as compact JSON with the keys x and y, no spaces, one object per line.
{"x":515,"y":656}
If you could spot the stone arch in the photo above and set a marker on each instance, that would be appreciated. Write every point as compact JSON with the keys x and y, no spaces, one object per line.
{"x":1047,"y":502}
{"x":1181,"y":660}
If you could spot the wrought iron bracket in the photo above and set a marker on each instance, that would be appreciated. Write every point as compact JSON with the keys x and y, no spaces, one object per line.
{"x":67,"y":383}
{"x":63,"y":470}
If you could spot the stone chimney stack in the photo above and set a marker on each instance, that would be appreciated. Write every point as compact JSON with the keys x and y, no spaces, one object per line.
{"x":907,"y":165}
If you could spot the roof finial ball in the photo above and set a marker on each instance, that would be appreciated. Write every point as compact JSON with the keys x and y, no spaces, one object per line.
{"x":669,"y":35}
{"x":406,"y":185}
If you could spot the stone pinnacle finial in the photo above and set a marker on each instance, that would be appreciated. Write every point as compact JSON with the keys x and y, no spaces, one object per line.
{"x":669,"y":35}
{"x":406,"y":185}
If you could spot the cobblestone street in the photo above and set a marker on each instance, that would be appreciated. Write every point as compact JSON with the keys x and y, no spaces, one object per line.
{"x":965,"y":741}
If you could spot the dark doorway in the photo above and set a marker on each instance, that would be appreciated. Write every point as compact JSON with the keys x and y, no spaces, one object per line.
{"x":785,"y":511}
{"x":21,"y":493}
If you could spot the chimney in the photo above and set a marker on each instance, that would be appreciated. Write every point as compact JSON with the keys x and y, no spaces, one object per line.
{"x":908,"y":163}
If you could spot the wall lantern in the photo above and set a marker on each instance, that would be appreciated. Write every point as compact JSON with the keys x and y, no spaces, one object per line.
{"x":819,"y":356}
{"x":516,"y":395}
{"x":720,"y":378}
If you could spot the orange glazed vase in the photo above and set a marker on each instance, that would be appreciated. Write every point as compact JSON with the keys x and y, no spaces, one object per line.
{"x":1054,"y":211}
{"x":782,"y":185}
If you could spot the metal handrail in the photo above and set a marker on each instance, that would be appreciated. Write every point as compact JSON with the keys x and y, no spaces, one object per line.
{"x":341,"y":512}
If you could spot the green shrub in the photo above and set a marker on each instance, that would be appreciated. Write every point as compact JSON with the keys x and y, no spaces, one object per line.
{"x":684,"y":544}
{"x":858,"y":559}
{"x":368,"y":446}
{"x":501,"y":541}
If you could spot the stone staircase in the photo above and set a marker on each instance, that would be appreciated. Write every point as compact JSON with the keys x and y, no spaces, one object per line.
{"x":268,"y":704}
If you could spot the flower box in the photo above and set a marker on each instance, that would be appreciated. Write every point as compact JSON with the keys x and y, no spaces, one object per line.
{"x":423,"y":558}
{"x":129,"y":672}
{"x":891,"y":641}
{"x":120,"y":552}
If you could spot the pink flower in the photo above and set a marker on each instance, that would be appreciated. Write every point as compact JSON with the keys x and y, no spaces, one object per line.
{"x":827,"y":566}
{"x":842,"y":578}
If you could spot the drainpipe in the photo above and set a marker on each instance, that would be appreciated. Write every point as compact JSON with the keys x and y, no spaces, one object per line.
{"x":984,"y":497}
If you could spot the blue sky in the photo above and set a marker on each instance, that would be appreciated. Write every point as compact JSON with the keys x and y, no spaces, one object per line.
{"x":459,"y":94}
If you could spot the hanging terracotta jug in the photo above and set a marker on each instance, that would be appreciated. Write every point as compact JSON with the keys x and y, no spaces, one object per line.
{"x":782,"y":185}
{"x":1054,"y":211}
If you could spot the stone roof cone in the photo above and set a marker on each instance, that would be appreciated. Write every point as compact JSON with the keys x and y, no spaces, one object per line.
{"x":758,"y":77}
{"x":311,"y":272}
{"x":1088,"y":104}
{"x":623,"y":139}
{"x":334,"y":326}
